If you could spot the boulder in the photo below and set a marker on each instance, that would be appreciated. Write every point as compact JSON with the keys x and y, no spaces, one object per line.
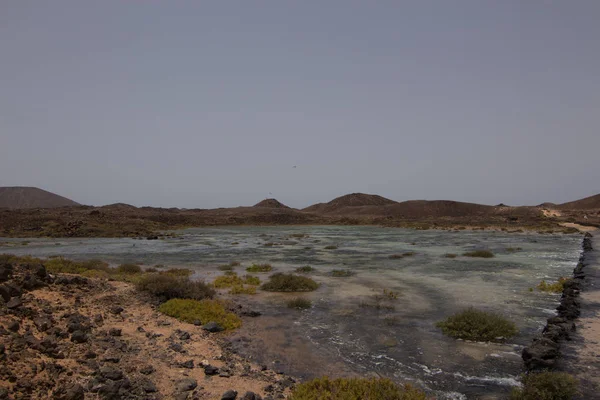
{"x":229,"y":395}
{"x":211,"y":370}
{"x":71,"y":391}
{"x":186,"y":384}
{"x":6,"y":271}
{"x":213,"y":327}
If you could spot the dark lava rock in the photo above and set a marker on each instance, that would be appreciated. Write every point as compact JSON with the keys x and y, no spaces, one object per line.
{"x":186,"y":384}
{"x":251,"y":313}
{"x":13,"y":303}
{"x":90,"y":354}
{"x":229,"y":395}
{"x":79,"y":337}
{"x":6,"y":270}
{"x":114,"y":332}
{"x":541,"y":354}
{"x":148,"y":386}
{"x":72,"y":391}
{"x":115,"y":390}
{"x":213,"y":327}
{"x":211,"y":370}
{"x":116,"y":310}
{"x":5,"y":292}
{"x":111,"y":373}
{"x":177,"y":347}
{"x":251,"y":396}
{"x":187,"y":364}
{"x":42,"y":324}
{"x":14,"y":326}
{"x":183,"y":335}
{"x":152,"y":238}
{"x":147,"y":370}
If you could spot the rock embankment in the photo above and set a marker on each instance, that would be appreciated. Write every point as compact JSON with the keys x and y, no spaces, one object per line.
{"x":544,"y":351}
{"x":67,"y":337}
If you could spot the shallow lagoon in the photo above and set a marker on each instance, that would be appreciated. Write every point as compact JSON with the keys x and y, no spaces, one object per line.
{"x":343,"y":333}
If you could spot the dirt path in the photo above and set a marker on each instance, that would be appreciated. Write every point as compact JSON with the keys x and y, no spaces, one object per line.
{"x":583,"y":353}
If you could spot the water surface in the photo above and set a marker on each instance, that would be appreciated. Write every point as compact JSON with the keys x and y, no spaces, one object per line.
{"x":348,"y":330}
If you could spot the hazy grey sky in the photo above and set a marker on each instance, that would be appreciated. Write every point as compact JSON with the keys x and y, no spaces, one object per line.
{"x":206,"y":104}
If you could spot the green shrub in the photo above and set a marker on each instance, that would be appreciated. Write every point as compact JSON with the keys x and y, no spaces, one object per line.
{"x":95,"y":273}
{"x":450,"y":255}
{"x":177,"y":272}
{"x":203,"y":310}
{"x":289,"y":283}
{"x":171,"y":287}
{"x":227,"y":281}
{"x":355,"y":389}
{"x":556,"y":287}
{"x":546,"y":386}
{"x":299,"y":303}
{"x":251,"y":280}
{"x":129,"y":269}
{"x":341,"y":273}
{"x":304,"y":270}
{"x":479,"y":253}
{"x":330,"y":247}
{"x":259,"y":268}
{"x":241,"y":289}
{"x":472,"y":324}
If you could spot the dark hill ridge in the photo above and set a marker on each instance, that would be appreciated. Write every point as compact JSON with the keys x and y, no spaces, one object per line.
{"x":18,"y":197}
{"x":270,"y":203}
{"x":349,"y":201}
{"x":587,"y":203}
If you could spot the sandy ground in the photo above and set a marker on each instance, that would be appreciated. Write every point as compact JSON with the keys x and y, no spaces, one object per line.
{"x":581,"y":228}
{"x":584,"y":352}
{"x":146,"y":339}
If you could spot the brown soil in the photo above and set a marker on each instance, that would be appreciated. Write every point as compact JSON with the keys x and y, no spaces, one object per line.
{"x":128,"y":350}
{"x":31,"y":197}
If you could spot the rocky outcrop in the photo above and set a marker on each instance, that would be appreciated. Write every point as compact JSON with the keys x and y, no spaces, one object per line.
{"x":544,"y":351}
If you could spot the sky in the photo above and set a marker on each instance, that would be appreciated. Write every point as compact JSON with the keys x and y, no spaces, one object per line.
{"x":224,"y":103}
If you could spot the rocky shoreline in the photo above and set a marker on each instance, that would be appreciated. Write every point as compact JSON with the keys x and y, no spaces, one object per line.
{"x":68,"y":337}
{"x":545,"y":350}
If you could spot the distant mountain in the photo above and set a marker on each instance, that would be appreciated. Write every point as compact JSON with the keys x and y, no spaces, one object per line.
{"x":350,"y":200}
{"x":587,"y":203}
{"x":31,"y":197}
{"x":270,"y":203}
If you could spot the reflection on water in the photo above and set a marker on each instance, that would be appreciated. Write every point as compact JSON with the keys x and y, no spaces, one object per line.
{"x":349,"y":330}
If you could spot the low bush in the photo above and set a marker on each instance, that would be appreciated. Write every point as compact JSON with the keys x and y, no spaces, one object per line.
{"x":556,"y":287}
{"x":241,"y":289}
{"x":170,"y":287}
{"x":355,"y":389}
{"x":472,"y":324}
{"x":330,"y":247}
{"x":129,"y":269}
{"x":390,"y":294}
{"x":289,"y":283}
{"x":227,"y":281}
{"x":304,"y":270}
{"x":95,"y":273}
{"x":546,"y":386}
{"x":63,"y":265}
{"x":341,"y":273}
{"x":225,"y":267}
{"x":201,"y":310}
{"x":299,"y":303}
{"x":450,"y":255}
{"x":479,"y":253}
{"x":251,"y":280}
{"x":259,"y":268}
{"x":177,"y":272}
